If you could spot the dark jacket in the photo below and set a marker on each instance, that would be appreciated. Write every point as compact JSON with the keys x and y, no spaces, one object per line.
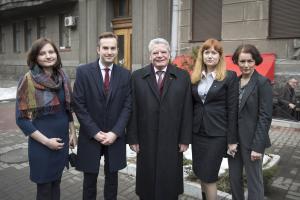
{"x":218,"y":114}
{"x":96,"y":112}
{"x":158,"y":124}
{"x":255,"y":114}
{"x":286,"y":97}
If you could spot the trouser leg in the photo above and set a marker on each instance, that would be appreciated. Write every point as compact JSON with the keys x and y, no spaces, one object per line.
{"x":254,"y":176}
{"x":111,"y":180}
{"x":89,"y":186}
{"x":56,"y":189}
{"x":43,"y":191}
{"x":236,"y":176}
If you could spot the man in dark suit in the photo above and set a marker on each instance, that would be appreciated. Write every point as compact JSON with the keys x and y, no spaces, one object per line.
{"x":102,"y":103}
{"x":161,"y":124}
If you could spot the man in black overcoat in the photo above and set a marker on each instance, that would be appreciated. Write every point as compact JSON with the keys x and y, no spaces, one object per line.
{"x":287,"y":99}
{"x":102,"y":103}
{"x":160,"y":127}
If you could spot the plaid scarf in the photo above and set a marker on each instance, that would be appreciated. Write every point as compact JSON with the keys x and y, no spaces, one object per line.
{"x":37,"y":93}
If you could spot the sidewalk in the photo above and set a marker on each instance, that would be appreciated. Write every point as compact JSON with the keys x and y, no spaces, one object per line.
{"x":14,"y":170}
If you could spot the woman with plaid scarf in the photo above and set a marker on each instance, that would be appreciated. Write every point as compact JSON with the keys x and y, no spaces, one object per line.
{"x":43,"y":113}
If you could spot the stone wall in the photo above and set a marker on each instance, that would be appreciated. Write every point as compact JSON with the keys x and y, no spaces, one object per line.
{"x":243,"y":21}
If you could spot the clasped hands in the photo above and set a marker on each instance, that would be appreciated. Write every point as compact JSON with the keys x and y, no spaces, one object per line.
{"x":105,"y":138}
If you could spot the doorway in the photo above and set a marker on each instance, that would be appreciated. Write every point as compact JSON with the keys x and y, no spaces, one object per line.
{"x":125,"y":45}
{"x":122,"y":27}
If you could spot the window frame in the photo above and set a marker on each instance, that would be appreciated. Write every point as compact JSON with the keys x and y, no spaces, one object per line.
{"x":41,"y":27}
{"x":64,"y":42}
{"x":196,"y":34}
{"x":16,"y":37}
{"x":287,"y":30}
{"x":2,"y":40}
{"x":128,"y":9}
{"x":28,"y":30}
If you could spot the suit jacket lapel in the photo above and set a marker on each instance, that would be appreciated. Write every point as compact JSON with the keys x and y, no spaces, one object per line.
{"x":113,"y":83}
{"x":97,"y":75}
{"x":216,"y":85}
{"x":251,"y":84}
{"x":151,"y":80}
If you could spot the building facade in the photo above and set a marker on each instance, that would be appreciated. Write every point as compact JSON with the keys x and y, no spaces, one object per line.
{"x":272,"y":25}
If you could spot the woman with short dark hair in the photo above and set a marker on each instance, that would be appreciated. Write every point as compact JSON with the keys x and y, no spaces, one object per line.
{"x":43,"y":113}
{"x":254,"y":120}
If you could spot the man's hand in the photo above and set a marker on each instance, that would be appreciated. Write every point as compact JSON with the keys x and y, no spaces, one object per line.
{"x":108,"y":138}
{"x":255,"y":156}
{"x":99,"y":136}
{"x":183,"y":147}
{"x":135,"y":147}
{"x":292,"y":106}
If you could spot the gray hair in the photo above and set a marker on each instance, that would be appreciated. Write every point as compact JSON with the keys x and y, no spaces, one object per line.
{"x":158,"y":41}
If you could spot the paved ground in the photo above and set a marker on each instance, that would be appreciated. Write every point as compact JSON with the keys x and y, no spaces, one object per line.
{"x":286,"y":183}
{"x":14,"y":170}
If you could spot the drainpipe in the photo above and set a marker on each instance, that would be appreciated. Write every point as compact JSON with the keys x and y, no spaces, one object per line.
{"x":174,"y":32}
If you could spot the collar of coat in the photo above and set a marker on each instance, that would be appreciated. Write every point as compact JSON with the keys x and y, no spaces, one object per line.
{"x":171,"y":70}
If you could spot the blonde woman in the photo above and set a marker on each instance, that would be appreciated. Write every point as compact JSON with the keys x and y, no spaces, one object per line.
{"x":215,"y":95}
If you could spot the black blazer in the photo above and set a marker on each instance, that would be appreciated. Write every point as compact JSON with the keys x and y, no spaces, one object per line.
{"x":96,"y":112}
{"x":218,"y":114}
{"x":255,"y":114}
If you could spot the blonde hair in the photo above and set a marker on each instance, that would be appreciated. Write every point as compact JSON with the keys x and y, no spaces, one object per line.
{"x":200,"y":66}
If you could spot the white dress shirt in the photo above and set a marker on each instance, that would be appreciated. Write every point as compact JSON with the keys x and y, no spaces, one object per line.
{"x":162,"y":75}
{"x":102,"y":68}
{"x":205,"y":84}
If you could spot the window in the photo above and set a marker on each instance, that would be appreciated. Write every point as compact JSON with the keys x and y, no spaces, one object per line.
{"x":123,"y":8}
{"x":284,"y":19}
{"x":41,"y":27}
{"x":206,"y":19}
{"x":2,"y":40}
{"x":28,"y":34}
{"x":17,"y":37}
{"x":64,"y":33}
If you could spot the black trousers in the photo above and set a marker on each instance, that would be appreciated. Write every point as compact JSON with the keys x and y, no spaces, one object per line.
{"x":48,"y":191}
{"x":110,"y":184}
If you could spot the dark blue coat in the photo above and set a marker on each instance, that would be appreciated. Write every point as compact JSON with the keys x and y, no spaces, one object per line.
{"x":96,"y":112}
{"x":47,"y":165}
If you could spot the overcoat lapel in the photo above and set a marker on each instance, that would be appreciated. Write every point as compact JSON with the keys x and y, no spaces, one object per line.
{"x":195,"y":92}
{"x":251,"y":84}
{"x":151,"y":80}
{"x":169,"y":77}
{"x":113,"y":83}
{"x":97,"y":75}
